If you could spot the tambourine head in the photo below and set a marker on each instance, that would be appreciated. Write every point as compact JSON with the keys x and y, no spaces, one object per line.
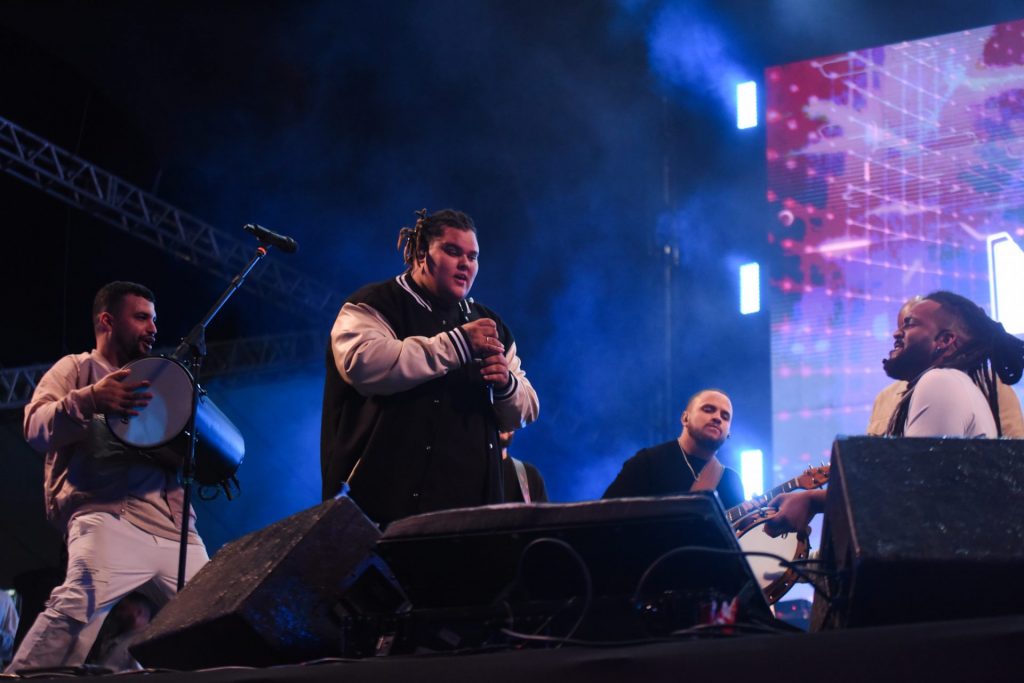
{"x":168,"y":411}
{"x":219,"y":447}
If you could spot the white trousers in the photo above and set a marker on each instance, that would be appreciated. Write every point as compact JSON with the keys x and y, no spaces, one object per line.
{"x":107,"y":559}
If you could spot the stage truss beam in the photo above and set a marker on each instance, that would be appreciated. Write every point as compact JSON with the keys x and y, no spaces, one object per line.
{"x":73,"y":180}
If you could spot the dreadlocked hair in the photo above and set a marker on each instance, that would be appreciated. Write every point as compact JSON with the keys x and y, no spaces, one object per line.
{"x":415,"y":241}
{"x":898,"y":419}
{"x":988,"y":351}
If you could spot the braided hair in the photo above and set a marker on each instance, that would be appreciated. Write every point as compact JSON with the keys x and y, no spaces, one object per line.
{"x":415,"y":241}
{"x":989,"y":351}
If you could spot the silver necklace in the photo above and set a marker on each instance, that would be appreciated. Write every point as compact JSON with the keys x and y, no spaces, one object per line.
{"x":687,"y":461}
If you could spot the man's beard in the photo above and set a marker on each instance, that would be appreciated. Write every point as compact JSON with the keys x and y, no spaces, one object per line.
{"x":907,"y":365}
{"x":132,"y":348}
{"x":708,"y":443}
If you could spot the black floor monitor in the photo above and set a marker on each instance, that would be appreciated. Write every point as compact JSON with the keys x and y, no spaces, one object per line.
{"x":922,"y":530}
{"x":620,"y":568}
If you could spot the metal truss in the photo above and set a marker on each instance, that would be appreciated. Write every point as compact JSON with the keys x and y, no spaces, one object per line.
{"x":17,"y":384}
{"x":268,"y":353}
{"x":77,"y":182}
{"x":250,"y":355}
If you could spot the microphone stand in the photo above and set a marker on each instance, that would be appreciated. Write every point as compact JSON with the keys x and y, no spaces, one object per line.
{"x":194,"y":348}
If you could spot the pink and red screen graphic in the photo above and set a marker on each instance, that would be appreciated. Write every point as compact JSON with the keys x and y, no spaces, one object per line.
{"x":888,"y":169}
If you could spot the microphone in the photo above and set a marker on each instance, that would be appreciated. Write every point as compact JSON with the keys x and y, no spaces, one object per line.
{"x":465,"y":310}
{"x":282,"y":242}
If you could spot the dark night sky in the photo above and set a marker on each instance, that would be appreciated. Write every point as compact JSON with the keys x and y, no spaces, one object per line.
{"x":582,"y":135}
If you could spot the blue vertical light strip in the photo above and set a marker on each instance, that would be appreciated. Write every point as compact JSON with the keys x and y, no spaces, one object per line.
{"x":752,"y":472}
{"x":746,"y":105}
{"x":1006,"y":281}
{"x":750,"y":288}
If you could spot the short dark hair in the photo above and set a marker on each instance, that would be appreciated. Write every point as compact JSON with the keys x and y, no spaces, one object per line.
{"x":110,"y":296}
{"x":428,"y":228}
{"x":988,"y":351}
{"x":693,"y":398}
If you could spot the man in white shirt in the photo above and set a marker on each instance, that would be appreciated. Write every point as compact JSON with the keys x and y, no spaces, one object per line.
{"x":951,"y":354}
{"x":1011,"y":420}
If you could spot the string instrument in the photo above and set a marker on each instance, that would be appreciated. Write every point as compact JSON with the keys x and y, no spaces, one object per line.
{"x":748,"y":517}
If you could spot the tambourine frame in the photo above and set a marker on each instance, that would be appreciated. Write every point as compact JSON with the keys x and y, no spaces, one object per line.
{"x":160,"y":384}
{"x":775,"y":589}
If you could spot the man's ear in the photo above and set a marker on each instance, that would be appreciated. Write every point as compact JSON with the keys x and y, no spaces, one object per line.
{"x":106,"y":320}
{"x":945,"y":340}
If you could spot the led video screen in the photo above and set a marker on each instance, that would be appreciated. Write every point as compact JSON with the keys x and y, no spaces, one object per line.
{"x":892,"y":171}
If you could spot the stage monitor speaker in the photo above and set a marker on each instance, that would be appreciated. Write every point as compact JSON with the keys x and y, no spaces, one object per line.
{"x":922,"y":530}
{"x":638,"y":558}
{"x":274,"y":596}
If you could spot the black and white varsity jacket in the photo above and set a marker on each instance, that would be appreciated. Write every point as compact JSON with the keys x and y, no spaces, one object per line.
{"x":406,"y":419}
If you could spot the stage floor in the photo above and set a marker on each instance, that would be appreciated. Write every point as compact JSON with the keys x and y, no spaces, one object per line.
{"x":970,"y":650}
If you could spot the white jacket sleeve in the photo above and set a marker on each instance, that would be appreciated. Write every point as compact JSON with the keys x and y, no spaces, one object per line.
{"x":371,"y":358}
{"x":516,"y":405}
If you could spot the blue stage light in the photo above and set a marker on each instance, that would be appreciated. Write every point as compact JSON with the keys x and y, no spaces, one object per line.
{"x":750,"y":288}
{"x":1006,"y":281}
{"x":746,"y":105}
{"x":752,"y":472}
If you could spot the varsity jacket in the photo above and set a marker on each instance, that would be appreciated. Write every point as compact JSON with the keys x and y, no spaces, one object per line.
{"x":406,"y":419}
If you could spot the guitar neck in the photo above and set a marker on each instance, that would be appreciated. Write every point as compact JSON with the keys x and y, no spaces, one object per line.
{"x":744,"y":508}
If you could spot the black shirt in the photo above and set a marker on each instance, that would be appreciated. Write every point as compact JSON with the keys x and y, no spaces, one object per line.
{"x":661,"y":471}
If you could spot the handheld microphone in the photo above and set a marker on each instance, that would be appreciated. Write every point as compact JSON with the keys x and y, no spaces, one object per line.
{"x":464,"y":309}
{"x":282,"y":242}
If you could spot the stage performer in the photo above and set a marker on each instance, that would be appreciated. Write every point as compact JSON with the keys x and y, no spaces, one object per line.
{"x":951,"y":355}
{"x":1010,"y":417}
{"x":689,"y":462}
{"x":523,"y":481}
{"x":120,"y":511}
{"x":419,"y":381}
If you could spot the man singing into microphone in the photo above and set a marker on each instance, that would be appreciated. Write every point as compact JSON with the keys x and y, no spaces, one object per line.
{"x":420,"y":381}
